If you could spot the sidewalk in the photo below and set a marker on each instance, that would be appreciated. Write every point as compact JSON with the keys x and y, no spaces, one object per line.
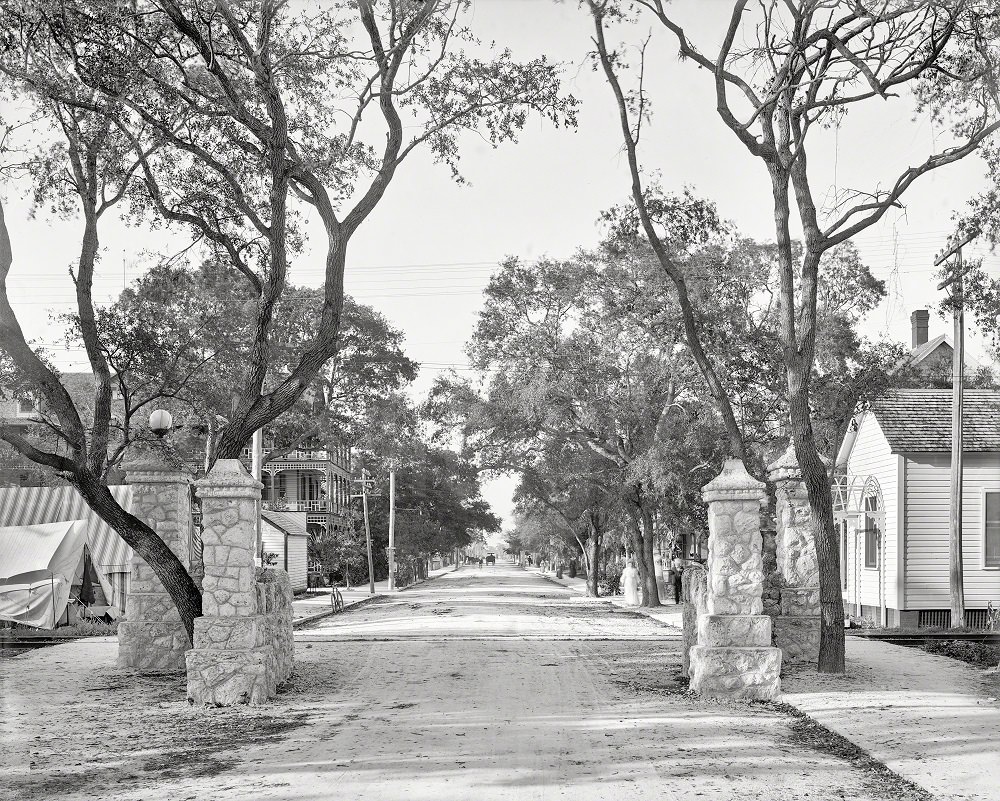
{"x":931,"y":719}
{"x":669,"y":614}
{"x":316,"y":603}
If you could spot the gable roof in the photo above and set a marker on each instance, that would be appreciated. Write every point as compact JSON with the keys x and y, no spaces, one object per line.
{"x":292,"y":523}
{"x":919,"y":420}
{"x":922,"y":352}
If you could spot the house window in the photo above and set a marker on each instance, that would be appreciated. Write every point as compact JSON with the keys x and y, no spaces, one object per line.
{"x":26,"y":407}
{"x":872,"y":533}
{"x":310,"y":487}
{"x":991,"y":532}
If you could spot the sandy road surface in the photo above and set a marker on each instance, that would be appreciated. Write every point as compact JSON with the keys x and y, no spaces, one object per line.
{"x":491,"y":684}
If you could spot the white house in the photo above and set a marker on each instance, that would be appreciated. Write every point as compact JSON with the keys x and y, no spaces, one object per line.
{"x":892,"y":503}
{"x":285,"y":535}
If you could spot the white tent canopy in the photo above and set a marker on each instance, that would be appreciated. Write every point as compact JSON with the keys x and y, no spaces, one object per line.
{"x":38,"y":565}
{"x":30,"y":506}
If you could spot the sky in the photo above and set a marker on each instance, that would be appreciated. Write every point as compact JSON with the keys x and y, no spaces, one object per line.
{"x":425,"y":254}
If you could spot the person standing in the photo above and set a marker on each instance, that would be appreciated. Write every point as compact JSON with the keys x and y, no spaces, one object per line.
{"x":630,"y":584}
{"x":676,"y":572}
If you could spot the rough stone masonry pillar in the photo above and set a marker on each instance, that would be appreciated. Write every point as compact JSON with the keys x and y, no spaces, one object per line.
{"x":233,"y":660}
{"x":152,"y":637}
{"x":734,"y":657}
{"x":796,"y":630}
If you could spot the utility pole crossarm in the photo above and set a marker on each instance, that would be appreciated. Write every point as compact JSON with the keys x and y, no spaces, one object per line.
{"x":955,"y":250}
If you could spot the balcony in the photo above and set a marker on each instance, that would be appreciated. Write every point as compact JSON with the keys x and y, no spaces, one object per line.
{"x":284,"y":505}
{"x":301,"y":459}
{"x":302,"y":455}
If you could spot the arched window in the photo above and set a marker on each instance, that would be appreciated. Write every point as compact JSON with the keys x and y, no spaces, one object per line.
{"x":874,"y":520}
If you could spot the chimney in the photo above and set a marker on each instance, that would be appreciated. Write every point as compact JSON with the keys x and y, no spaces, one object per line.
{"x":918,"y":324}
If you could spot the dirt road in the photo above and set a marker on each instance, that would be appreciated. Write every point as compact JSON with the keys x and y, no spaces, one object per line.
{"x":483,"y":684}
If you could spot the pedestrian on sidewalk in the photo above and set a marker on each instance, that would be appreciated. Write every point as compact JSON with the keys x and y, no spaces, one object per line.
{"x":676,"y":573}
{"x":630,"y":584}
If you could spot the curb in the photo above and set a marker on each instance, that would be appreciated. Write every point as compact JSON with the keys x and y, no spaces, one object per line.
{"x":425,"y":580}
{"x":329,"y":612}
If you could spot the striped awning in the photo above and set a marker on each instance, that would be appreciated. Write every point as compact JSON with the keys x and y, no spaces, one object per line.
{"x":27,"y":506}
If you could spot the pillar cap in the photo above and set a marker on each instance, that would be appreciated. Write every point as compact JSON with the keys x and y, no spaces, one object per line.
{"x":228,"y":478}
{"x":786,"y":467}
{"x":734,"y":483}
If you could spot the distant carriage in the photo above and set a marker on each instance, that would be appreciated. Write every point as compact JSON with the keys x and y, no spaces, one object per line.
{"x":491,"y":559}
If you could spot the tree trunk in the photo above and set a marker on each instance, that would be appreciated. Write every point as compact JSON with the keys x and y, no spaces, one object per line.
{"x":594,"y":546}
{"x":147,"y":544}
{"x":650,"y":592}
{"x":797,"y":332}
{"x":642,"y":548}
{"x":817,"y":481}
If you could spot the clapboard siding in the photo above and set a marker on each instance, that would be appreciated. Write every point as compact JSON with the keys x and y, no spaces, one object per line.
{"x":274,"y":542}
{"x":928,"y":479}
{"x":872,"y":457}
{"x":297,"y":561}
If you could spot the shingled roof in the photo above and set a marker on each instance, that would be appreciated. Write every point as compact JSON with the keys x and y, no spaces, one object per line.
{"x":919,"y":420}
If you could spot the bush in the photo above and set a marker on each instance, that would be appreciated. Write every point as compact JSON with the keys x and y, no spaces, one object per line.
{"x":981,"y":654}
{"x":609,"y":580}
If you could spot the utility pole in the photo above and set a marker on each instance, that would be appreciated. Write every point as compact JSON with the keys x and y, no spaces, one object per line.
{"x":391,"y":550}
{"x":955,"y":566}
{"x":365,"y":482}
{"x":256,"y":470}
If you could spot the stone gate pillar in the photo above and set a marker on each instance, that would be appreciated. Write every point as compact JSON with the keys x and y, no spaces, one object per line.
{"x":152,"y":637}
{"x":796,"y":630}
{"x":734,"y":657}
{"x":694,"y":583}
{"x":238,"y":657}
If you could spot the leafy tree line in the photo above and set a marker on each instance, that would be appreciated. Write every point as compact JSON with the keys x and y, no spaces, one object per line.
{"x":232,"y":124}
{"x":592,"y":395}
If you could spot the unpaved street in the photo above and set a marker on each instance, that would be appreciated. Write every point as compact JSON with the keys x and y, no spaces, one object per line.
{"x":482,"y":684}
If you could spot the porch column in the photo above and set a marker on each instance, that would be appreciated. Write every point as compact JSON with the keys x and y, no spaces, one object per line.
{"x":152,"y":637}
{"x":734,"y":657}
{"x":796,"y":629}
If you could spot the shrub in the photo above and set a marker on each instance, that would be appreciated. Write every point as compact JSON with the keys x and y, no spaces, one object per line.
{"x":609,"y":580}
{"x":982,"y":654}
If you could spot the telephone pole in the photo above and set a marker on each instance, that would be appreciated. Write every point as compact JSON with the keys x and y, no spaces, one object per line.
{"x":391,"y":550}
{"x":955,"y":565}
{"x":365,"y":483}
